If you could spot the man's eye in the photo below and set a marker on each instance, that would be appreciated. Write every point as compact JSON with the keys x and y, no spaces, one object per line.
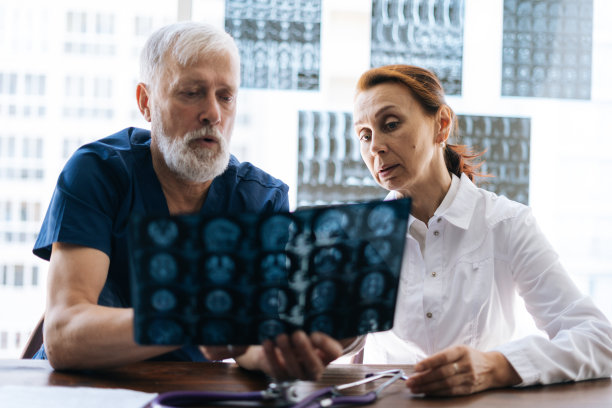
{"x":364,"y":137}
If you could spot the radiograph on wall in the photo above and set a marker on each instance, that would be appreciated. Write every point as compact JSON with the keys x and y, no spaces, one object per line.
{"x":547,"y":48}
{"x":428,"y":33}
{"x":279,"y":42}
{"x":330,"y":168}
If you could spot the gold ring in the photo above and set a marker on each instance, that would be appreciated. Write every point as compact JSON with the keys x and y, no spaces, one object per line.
{"x":456,"y":367}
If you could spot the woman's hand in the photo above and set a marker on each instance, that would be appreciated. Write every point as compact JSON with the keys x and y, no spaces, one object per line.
{"x":462,"y":370}
{"x":295,"y":356}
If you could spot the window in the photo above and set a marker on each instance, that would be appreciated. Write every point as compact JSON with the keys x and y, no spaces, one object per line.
{"x":7,"y":211}
{"x":105,"y":24}
{"x":3,"y":340}
{"x":18,"y":277}
{"x":34,"y":275}
{"x":34,"y":84}
{"x":8,"y":83}
{"x":142,"y":25}
{"x":76,"y":22}
{"x":37,"y":214}
{"x":23,"y":211}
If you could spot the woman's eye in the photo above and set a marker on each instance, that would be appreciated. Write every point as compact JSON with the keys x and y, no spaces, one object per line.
{"x":391,"y":125}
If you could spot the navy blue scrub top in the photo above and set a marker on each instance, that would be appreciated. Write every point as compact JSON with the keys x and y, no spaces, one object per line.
{"x":107,"y":180}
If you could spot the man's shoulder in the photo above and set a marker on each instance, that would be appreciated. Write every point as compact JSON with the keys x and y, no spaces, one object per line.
{"x":111,"y":154}
{"x":248,"y":172}
{"x":126,"y":139}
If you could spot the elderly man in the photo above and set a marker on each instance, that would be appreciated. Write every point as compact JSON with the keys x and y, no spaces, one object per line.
{"x":190,"y":78}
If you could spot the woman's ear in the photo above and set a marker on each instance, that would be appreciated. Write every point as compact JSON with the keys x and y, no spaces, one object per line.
{"x":142,"y":98}
{"x":444,"y":121}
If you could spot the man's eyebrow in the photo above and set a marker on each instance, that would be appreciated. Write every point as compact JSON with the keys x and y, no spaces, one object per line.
{"x":378,"y":113}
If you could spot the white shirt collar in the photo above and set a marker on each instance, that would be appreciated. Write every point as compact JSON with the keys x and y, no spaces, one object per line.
{"x":458,"y":203}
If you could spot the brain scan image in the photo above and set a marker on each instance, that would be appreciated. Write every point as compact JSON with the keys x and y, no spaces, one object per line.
{"x":163,"y":267}
{"x":376,"y":252}
{"x":327,"y":260}
{"x":323,"y":296}
{"x":163,"y":300}
{"x":217,"y":331}
{"x":381,"y":220}
{"x":372,"y":286}
{"x":218,"y":301}
{"x":331,"y":224}
{"x":275,"y":267}
{"x":276,"y":232}
{"x":323,"y":323}
{"x":163,"y":232}
{"x":368,"y":320}
{"x":220,"y":269}
{"x":273,"y":301}
{"x":221,"y":234}
{"x":165,"y":331}
{"x":268,"y":329}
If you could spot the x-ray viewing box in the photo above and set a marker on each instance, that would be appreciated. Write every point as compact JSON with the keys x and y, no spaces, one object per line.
{"x":243,"y":278}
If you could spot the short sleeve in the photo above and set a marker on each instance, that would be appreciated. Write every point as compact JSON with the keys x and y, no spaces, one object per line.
{"x":85,"y":201}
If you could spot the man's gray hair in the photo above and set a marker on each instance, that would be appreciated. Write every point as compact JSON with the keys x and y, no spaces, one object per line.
{"x":186,"y":41}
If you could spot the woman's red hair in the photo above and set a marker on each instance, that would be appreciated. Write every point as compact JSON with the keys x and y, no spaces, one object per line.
{"x":428,"y":91}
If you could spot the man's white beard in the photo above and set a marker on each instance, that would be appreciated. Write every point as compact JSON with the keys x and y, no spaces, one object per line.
{"x":192,"y":162}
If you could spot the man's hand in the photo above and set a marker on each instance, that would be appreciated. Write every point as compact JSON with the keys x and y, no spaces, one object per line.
{"x":222,"y":352}
{"x":462,"y":370}
{"x":295,"y":356}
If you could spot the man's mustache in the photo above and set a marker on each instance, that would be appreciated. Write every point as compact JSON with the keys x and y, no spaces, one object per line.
{"x":209,"y":132}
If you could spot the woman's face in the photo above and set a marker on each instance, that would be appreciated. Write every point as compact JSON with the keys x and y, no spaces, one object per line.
{"x":400,"y":144}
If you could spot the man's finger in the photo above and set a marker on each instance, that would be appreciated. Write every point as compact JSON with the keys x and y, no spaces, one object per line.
{"x":276,"y":365}
{"x":329,"y":348}
{"x":292,"y":365}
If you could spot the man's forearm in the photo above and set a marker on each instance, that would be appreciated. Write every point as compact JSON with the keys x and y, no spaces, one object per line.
{"x":90,"y":336}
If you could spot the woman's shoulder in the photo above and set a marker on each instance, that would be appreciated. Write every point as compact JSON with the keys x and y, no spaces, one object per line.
{"x":498,"y":208}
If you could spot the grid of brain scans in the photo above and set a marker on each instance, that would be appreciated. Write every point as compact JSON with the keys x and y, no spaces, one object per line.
{"x":330,"y":168}
{"x":428,"y":33}
{"x":279,"y":42}
{"x":547,"y":48}
{"x":243,"y":278}
{"x":506,"y":142}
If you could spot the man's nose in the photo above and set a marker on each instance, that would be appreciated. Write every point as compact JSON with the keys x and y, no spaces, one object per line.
{"x":210,"y":111}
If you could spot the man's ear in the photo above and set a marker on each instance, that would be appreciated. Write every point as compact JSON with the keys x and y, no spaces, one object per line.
{"x":444,"y":120}
{"x":142,"y":97}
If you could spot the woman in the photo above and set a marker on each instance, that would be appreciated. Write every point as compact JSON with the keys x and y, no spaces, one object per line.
{"x":468,"y":252}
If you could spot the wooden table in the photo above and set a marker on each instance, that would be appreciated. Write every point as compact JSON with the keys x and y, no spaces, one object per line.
{"x":164,"y":376}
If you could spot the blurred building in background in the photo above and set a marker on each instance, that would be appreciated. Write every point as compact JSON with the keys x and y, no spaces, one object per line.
{"x":529,"y":80}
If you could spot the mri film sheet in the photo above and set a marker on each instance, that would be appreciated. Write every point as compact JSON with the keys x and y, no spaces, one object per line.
{"x":243,"y":278}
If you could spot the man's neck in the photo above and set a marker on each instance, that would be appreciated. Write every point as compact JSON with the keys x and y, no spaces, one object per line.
{"x":182,"y":196}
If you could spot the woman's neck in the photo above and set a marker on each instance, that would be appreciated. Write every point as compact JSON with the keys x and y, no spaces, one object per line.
{"x":427,"y":197}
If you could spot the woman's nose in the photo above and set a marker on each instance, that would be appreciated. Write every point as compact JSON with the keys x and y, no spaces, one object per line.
{"x":378,"y":144}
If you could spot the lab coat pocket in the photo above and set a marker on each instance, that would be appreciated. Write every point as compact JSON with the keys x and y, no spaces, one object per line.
{"x":471,"y":289}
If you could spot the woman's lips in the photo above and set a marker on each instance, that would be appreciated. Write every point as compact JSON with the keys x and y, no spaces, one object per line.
{"x":386,"y":171}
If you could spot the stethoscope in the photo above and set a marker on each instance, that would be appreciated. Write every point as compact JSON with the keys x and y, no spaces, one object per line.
{"x":284,"y":394}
